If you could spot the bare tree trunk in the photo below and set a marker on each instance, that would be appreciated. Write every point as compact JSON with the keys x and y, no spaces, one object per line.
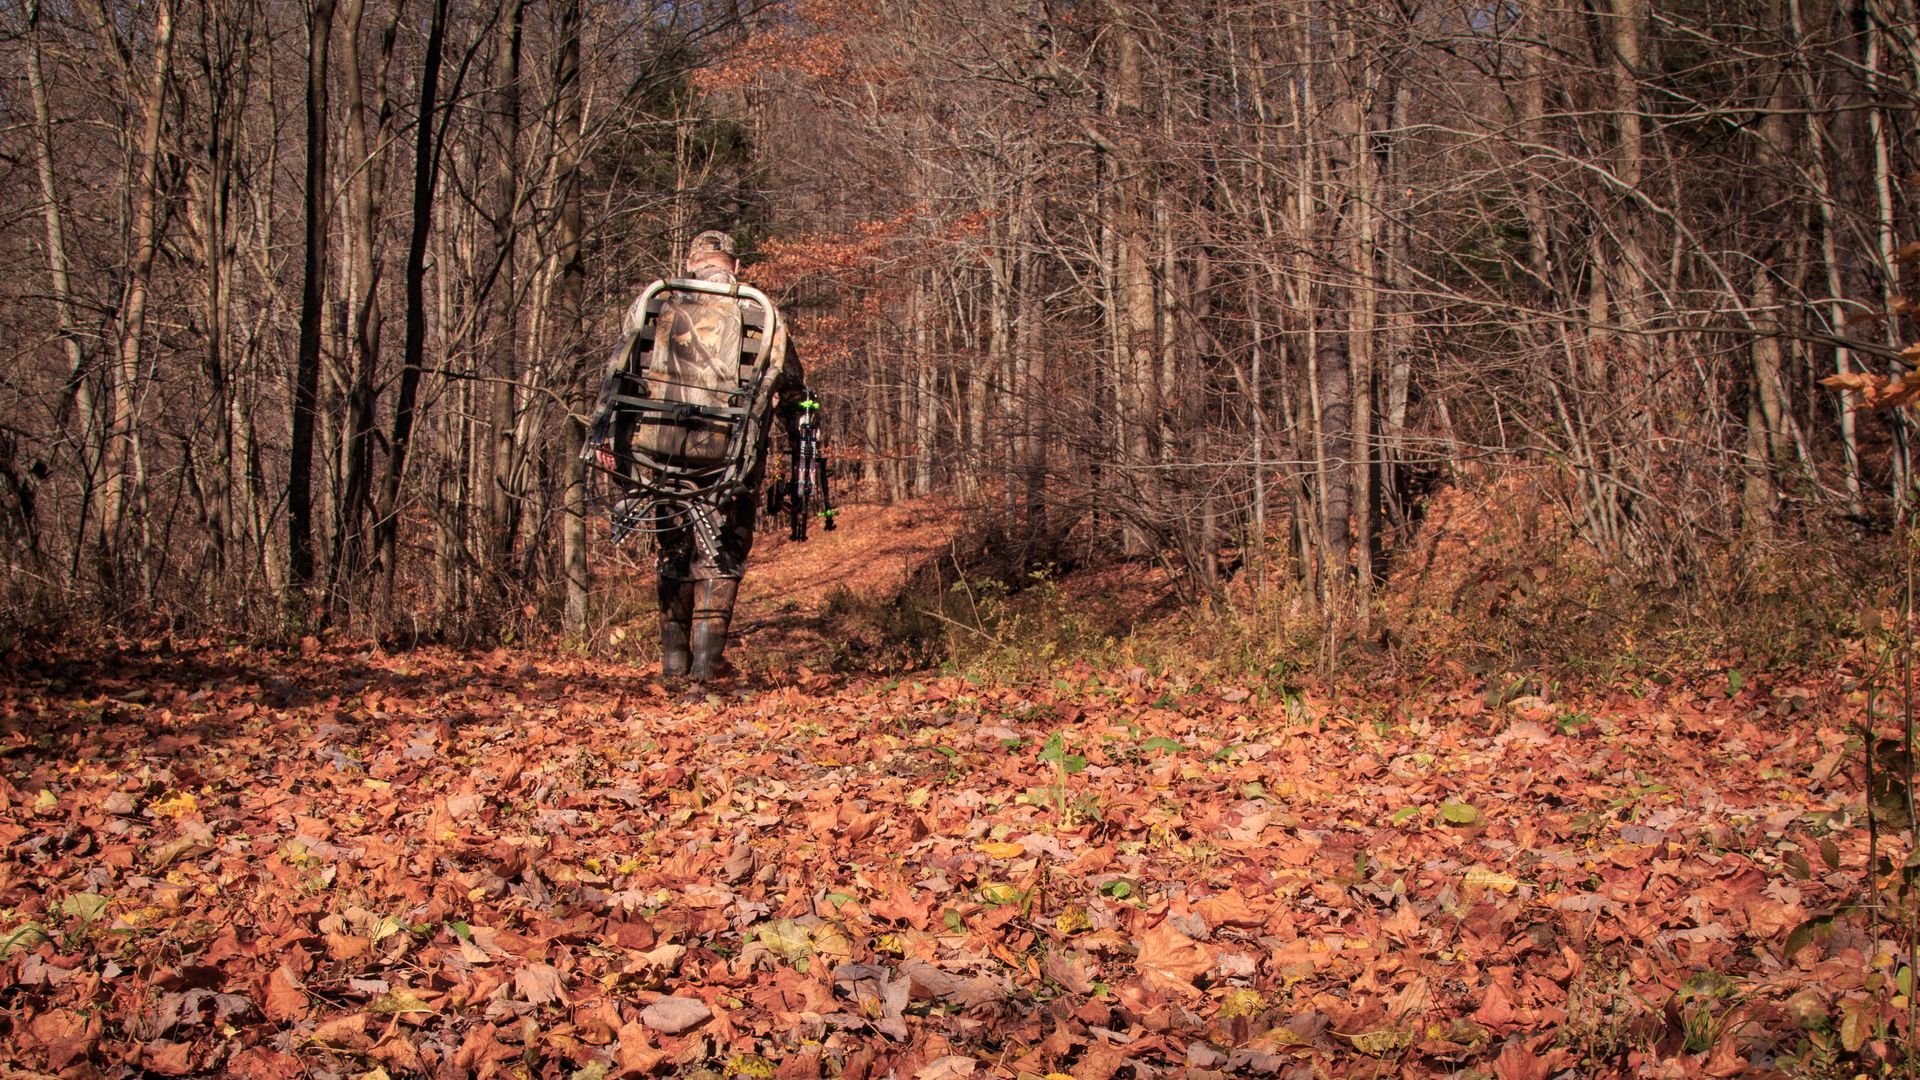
{"x":999,"y":303}
{"x":1330,"y":380}
{"x":1900,"y":466}
{"x":425,"y":176}
{"x":1334,"y":382}
{"x":1035,"y":390}
{"x":1399,"y":335}
{"x":1133,"y":242}
{"x":571,"y":319}
{"x":306,"y":380}
{"x":503,"y":498}
{"x":874,"y":405}
{"x":124,"y":495}
{"x":1766,"y":441}
{"x":919,"y":399}
{"x":1363,"y":303}
{"x":1257,"y":439}
{"x":366,"y":161}
{"x":224,"y":67}
{"x":78,"y":387}
{"x":1630,"y":159}
{"x":1825,"y":198}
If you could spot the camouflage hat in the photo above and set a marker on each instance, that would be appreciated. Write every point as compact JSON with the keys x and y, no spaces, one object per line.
{"x":711,"y":240}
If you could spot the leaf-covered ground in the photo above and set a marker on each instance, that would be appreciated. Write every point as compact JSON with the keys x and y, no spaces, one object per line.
{"x":337,"y":863}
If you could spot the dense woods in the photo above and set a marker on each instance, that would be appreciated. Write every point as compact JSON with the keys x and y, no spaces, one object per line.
{"x":332,"y":737}
{"x":303,"y":304}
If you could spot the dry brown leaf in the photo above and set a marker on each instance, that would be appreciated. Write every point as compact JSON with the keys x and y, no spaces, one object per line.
{"x":345,"y":1032}
{"x":539,"y":984}
{"x":902,"y":905}
{"x":1100,"y":1062}
{"x":1517,"y":1062}
{"x":1070,"y":971}
{"x":285,"y":998}
{"x":1171,"y":960}
{"x":1496,"y":1008}
{"x":949,"y":1067}
{"x":1229,"y":909}
{"x":261,"y":1063}
{"x":167,"y":1058}
{"x":1403,"y":924}
{"x":638,"y":1055}
{"x":1877,"y":391}
{"x":1413,"y":1000}
{"x":674,"y":1015}
{"x":67,"y":1036}
{"x":399,"y":1052}
{"x":482,"y":1045}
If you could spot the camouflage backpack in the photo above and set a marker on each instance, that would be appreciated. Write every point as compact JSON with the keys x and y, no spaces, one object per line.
{"x":684,"y":405}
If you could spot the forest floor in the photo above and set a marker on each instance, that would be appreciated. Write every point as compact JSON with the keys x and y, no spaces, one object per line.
{"x":340,"y":861}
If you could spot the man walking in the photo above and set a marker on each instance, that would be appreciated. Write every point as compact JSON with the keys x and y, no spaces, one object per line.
{"x":704,"y":370}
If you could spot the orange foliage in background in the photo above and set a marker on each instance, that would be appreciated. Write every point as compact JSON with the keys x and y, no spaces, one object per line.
{"x":863,"y":270}
{"x":1878,"y":392}
{"x":859,"y":269}
{"x":787,"y":262}
{"x":813,"y":43}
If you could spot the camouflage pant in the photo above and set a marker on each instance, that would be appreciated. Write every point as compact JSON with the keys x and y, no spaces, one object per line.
{"x":682,"y":557}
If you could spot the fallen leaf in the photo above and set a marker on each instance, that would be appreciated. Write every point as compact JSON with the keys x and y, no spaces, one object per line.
{"x":175,"y":805}
{"x":1482,"y":878}
{"x":1381,"y":1041}
{"x":402,"y":1001}
{"x":346,"y":1032}
{"x":786,"y":939}
{"x":638,"y":1056}
{"x":673,"y":1015}
{"x":1069,"y":970}
{"x":179,"y":847}
{"x":285,"y":998}
{"x":661,"y":958}
{"x":950,"y":1067}
{"x":1496,"y":1009}
{"x":167,"y":1058}
{"x":1171,"y":959}
{"x":1412,"y":1001}
{"x":68,"y":1036}
{"x":1403,"y":924}
{"x":1100,"y":1063}
{"x":539,"y":984}
{"x":1517,"y":1062}
{"x":85,"y":907}
{"x":1229,"y":909}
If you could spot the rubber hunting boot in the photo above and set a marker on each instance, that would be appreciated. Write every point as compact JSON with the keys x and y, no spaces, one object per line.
{"x":676,"y":613}
{"x":712,"y":609}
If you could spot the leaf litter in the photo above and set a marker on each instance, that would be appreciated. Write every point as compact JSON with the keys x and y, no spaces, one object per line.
{"x":347,"y":863}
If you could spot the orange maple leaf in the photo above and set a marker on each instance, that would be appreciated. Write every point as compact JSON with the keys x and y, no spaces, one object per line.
{"x":1172,"y":960}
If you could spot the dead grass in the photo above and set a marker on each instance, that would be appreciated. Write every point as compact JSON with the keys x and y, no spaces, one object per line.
{"x":1498,"y":585}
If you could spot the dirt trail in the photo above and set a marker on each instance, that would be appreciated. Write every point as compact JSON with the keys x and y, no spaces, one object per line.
{"x":788,"y":586}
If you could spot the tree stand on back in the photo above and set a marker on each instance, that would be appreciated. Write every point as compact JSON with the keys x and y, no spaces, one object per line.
{"x":703,"y":369}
